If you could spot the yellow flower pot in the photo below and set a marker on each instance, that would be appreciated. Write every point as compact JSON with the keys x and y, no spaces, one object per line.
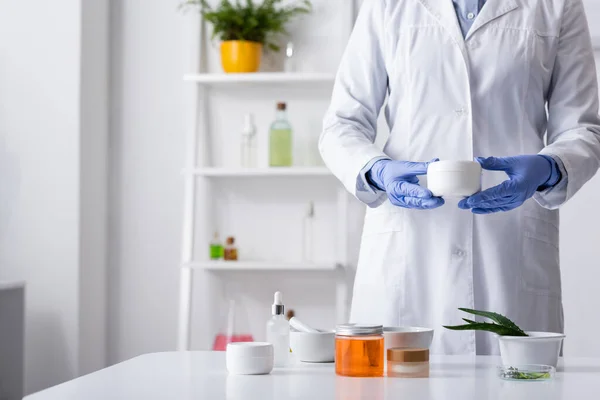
{"x":240,"y":56}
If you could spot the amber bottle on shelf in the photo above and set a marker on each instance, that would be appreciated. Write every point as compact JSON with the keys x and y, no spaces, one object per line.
{"x":230,"y":252}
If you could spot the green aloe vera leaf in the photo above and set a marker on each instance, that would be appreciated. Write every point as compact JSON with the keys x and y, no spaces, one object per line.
{"x":485,"y":326}
{"x":469,"y":321}
{"x":498,"y":318}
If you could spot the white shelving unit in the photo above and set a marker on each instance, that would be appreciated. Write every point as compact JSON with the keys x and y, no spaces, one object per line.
{"x":301,"y":172}
{"x":218,"y":266}
{"x":199,"y":174}
{"x":260,"y":77}
{"x":195,"y":170}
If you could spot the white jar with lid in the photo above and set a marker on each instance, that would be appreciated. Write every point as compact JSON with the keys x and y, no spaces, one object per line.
{"x":454,"y":178}
{"x":249,"y":358}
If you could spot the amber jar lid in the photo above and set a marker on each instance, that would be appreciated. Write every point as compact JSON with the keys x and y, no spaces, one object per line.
{"x":408,"y":355}
{"x":281,"y":106}
{"x":230,"y":240}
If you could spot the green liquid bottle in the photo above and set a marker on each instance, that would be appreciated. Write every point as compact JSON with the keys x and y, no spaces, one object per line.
{"x":280,"y":139}
{"x":216,"y":248}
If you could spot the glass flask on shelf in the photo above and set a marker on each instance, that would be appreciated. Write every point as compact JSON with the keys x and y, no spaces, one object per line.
{"x":234,"y":326}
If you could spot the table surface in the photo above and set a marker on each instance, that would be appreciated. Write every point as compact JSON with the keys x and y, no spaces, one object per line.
{"x":202,"y":375}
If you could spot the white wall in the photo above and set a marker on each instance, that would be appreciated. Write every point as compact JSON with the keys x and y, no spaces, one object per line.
{"x":93,"y":181}
{"x":148,"y":60}
{"x":41,"y":148}
{"x":149,"y":54}
{"x":39,"y":122}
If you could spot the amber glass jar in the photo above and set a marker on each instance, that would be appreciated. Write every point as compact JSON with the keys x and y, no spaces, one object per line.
{"x":230,"y":252}
{"x":359,"y":350}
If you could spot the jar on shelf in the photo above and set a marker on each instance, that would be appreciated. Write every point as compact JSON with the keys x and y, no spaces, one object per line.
{"x":230,"y":252}
{"x":359,"y":350}
{"x":408,"y":363}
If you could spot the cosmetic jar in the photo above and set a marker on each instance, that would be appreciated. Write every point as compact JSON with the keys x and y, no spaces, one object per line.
{"x":454,"y":178}
{"x":408,"y":363}
{"x":249,"y":358}
{"x":359,"y":350}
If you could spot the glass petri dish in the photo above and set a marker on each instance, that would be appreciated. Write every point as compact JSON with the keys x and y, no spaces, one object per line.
{"x":526,"y":373}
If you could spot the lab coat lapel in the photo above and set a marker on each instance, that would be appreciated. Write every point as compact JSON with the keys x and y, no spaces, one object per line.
{"x":491,"y":10}
{"x":443,"y":11}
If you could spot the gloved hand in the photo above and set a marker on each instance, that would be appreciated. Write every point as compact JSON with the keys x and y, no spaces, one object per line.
{"x":526,"y":175}
{"x":399,"y":180}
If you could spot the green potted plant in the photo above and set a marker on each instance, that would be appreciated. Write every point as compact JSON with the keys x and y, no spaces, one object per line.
{"x":244,"y":28}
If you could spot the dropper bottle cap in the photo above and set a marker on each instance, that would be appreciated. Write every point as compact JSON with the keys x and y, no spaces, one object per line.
{"x":277,"y":308}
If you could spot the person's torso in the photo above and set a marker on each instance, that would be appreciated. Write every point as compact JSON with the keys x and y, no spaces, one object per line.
{"x":457,"y":98}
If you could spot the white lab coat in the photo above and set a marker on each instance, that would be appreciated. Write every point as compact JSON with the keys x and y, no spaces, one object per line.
{"x":457,"y":98}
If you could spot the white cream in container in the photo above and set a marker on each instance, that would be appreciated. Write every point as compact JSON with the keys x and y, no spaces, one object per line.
{"x":249,"y":358}
{"x":454,"y":178}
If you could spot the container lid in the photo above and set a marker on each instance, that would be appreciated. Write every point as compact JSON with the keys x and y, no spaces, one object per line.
{"x":358,"y":330}
{"x":250,"y":349}
{"x":450,"y":165}
{"x":408,"y":355}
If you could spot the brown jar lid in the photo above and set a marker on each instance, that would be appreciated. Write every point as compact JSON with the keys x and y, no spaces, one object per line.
{"x":408,"y":355}
{"x":230,"y":240}
{"x":281,"y":106}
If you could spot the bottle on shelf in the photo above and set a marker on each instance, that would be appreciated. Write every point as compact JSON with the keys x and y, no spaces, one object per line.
{"x":307,"y":237}
{"x":278,"y":332}
{"x":216,"y":248}
{"x":289,"y":64}
{"x":280,"y":139}
{"x":248,"y":147}
{"x":230,"y":252}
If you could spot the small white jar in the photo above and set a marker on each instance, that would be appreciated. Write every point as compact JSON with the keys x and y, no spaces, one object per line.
{"x":249,"y":358}
{"x":454,"y":178}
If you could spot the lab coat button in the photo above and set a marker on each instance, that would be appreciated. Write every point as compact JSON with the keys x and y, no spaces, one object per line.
{"x":471,"y":15}
{"x":461,"y":112}
{"x":459,"y":253}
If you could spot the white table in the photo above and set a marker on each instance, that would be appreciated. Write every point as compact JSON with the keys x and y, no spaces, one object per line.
{"x":202,"y":375}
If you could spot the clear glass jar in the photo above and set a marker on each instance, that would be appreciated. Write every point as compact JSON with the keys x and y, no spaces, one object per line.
{"x":359,"y":350}
{"x":408,"y":363}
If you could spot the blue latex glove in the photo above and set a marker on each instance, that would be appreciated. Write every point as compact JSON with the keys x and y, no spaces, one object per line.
{"x":399,"y":180}
{"x":527,"y":174}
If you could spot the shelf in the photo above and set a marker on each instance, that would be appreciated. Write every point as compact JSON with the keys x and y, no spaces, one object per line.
{"x":260,"y":77}
{"x":259,"y":266}
{"x":262,"y":172}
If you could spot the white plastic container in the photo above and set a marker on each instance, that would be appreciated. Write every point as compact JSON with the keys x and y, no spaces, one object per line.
{"x":542,"y":348}
{"x":454,"y":178}
{"x":249,"y":358}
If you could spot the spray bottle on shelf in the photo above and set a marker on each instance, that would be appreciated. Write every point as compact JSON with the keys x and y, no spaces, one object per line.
{"x":307,"y":239}
{"x":278,"y":332}
{"x":248,"y":147}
